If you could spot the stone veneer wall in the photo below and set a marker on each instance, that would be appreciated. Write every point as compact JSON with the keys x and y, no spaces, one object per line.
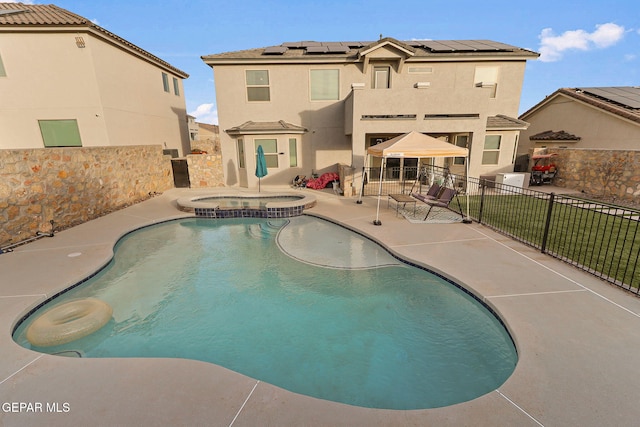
{"x":205,"y":170}
{"x":610,"y":173}
{"x":74,"y":185}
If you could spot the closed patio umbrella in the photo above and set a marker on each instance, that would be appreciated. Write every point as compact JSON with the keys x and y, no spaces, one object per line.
{"x":261,"y":165}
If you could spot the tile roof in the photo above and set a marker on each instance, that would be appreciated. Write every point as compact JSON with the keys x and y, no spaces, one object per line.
{"x":550,"y":135}
{"x":505,"y":122}
{"x":602,"y":98}
{"x":37,"y":16}
{"x":266,"y":127}
{"x":349,"y":50}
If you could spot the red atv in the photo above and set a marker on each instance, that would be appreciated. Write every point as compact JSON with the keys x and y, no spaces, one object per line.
{"x":543,"y":170}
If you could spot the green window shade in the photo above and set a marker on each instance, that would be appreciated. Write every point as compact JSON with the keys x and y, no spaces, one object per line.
{"x":165,"y":82}
{"x":257,"y":78}
{"x":293,"y":152}
{"x":492,"y":142}
{"x":491,"y":153}
{"x":325,"y":85}
{"x":3,"y":73}
{"x":176,"y":86}
{"x":60,"y":133}
{"x":258,"y":94}
{"x":241,"y":158}
{"x":270,"y":148}
{"x":257,"y":85}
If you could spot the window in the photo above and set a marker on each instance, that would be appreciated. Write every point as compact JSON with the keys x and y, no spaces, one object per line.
{"x":60,"y":133}
{"x":270,"y":148}
{"x":487,"y":78}
{"x":461,"y":141}
{"x":3,"y":73}
{"x":176,"y":86}
{"x":381,"y":77}
{"x":293,"y":152}
{"x":325,"y":85}
{"x":165,"y":82}
{"x":491,"y":152}
{"x":257,"y":85}
{"x":241,"y":158}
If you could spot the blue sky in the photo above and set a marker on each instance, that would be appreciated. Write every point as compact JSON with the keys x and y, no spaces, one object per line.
{"x":583,"y":43}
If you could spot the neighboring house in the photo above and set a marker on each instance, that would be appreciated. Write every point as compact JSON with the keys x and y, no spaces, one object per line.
{"x":193,"y":128}
{"x":65,"y":81}
{"x":605,"y":118}
{"x":312,"y":105}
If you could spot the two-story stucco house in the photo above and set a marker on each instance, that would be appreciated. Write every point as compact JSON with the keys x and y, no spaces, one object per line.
{"x":65,"y":81}
{"x":312,"y":105}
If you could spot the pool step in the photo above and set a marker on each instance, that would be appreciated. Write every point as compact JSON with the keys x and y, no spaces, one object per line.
{"x":265,"y":230}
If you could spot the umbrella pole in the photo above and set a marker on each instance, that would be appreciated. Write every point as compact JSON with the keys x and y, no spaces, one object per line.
{"x":364,"y":168}
{"x":382,"y":166}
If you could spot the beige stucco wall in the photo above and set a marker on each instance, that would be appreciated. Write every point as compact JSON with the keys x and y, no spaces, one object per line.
{"x":596,"y":128}
{"x":336,"y":132}
{"x":74,"y":185}
{"x":117,"y":98}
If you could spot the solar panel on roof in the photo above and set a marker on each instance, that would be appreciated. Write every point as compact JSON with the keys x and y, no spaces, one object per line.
{"x":317,"y":49}
{"x":627,"y":95}
{"x":466,"y":46}
{"x":275,"y":50}
{"x":338,"y":49}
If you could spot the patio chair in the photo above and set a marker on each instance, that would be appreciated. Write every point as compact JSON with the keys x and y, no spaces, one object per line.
{"x":443,"y":201}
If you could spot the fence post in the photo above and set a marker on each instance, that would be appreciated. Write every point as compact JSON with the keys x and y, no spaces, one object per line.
{"x":547,"y":224}
{"x":482,"y":186}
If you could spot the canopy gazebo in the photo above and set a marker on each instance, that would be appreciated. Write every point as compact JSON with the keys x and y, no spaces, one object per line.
{"x":413,"y":145}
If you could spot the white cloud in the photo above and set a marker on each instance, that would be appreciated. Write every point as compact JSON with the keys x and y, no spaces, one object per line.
{"x":205,"y":113}
{"x":17,"y":1}
{"x":630,"y":56}
{"x":552,"y":46}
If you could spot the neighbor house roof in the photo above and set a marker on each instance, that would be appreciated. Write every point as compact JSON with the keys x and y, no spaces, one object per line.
{"x":353,"y":51}
{"x":279,"y":127}
{"x":622,"y":101}
{"x":21,"y":17}
{"x":550,"y":135}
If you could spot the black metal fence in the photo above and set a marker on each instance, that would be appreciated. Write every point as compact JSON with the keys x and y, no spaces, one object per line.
{"x":602,"y":239}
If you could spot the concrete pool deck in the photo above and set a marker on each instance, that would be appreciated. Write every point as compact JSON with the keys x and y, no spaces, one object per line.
{"x":577,"y":337}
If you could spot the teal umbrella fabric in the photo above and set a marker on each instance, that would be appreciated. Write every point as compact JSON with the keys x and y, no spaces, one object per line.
{"x":261,"y":165}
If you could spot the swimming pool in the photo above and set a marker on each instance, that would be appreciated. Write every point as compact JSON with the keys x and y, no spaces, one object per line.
{"x":302,"y":304}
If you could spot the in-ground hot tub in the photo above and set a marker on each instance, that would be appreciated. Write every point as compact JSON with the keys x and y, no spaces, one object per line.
{"x":247,"y":205}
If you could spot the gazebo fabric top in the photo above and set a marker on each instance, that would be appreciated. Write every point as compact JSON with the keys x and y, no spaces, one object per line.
{"x":416,"y":144}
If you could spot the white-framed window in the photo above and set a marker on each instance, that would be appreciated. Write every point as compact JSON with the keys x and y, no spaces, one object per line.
{"x":60,"y":133}
{"x":241,"y":156}
{"x":176,"y":86}
{"x":257,"y":85}
{"x":270,"y":148}
{"x":491,"y":152}
{"x":324,"y":85}
{"x":293,"y":152}
{"x":165,"y":82}
{"x":381,"y":77}
{"x":461,"y":141}
{"x":487,"y":78}
{"x":3,"y":72}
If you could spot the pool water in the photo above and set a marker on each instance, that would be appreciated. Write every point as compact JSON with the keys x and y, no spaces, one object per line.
{"x":225,"y":202}
{"x":347,"y":323}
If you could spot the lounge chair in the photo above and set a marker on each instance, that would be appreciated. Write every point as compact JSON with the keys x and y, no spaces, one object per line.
{"x":443,"y":200}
